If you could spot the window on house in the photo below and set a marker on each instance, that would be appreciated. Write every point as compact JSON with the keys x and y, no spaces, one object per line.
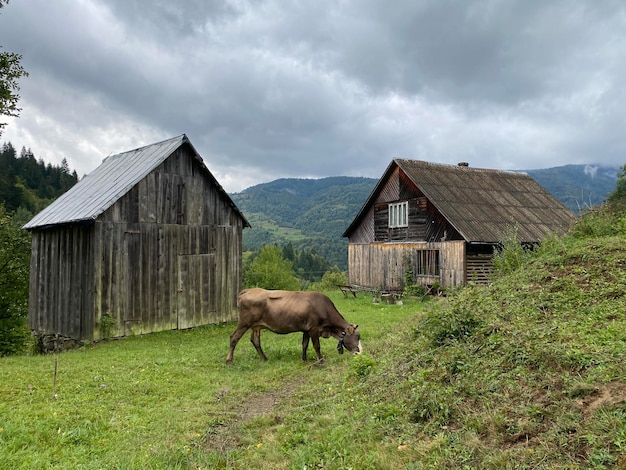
{"x":398,"y":214}
{"x":427,"y":263}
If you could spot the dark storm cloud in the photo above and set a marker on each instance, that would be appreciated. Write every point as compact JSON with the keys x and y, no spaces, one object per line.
{"x":270,"y":89}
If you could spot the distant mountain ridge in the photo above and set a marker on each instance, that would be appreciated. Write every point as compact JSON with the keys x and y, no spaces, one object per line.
{"x":577,"y":186}
{"x":312,"y":214}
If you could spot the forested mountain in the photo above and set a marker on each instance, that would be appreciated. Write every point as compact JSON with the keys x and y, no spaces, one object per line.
{"x":312,"y":214}
{"x":27,"y":185}
{"x":577,"y":186}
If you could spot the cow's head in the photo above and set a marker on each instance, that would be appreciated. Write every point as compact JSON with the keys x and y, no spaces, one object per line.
{"x":350,"y":339}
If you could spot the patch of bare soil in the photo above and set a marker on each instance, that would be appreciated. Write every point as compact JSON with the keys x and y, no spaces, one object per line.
{"x":606,"y":395}
{"x":223,"y":436}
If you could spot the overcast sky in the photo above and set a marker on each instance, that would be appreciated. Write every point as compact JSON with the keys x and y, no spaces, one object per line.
{"x":277,"y":88}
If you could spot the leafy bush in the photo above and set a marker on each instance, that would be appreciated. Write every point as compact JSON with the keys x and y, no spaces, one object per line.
{"x":330,"y":280}
{"x":14,"y":274}
{"x":107,"y":324}
{"x":596,"y":222}
{"x":270,"y":270}
{"x":14,"y":335}
{"x":410,"y":287}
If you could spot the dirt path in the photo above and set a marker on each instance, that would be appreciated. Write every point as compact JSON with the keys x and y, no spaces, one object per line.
{"x":608,"y":394}
{"x":224,"y":436}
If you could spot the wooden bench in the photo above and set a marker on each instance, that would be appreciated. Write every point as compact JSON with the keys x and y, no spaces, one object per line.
{"x":345,"y":290}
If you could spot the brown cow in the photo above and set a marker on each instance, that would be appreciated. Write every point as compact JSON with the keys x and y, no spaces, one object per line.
{"x":287,"y":312}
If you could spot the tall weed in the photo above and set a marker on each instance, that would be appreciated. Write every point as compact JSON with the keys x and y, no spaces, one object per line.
{"x":511,"y":254}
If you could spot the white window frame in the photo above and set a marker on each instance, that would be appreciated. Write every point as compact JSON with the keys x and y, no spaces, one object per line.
{"x":399,"y":214}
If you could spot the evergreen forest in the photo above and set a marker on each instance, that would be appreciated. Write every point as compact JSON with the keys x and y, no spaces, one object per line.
{"x":27,"y":184}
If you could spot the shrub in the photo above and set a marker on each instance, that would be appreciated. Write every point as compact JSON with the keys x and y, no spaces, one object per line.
{"x":410,"y":287}
{"x":14,"y":273}
{"x":14,"y":335}
{"x":330,"y":280}
{"x":270,"y":270}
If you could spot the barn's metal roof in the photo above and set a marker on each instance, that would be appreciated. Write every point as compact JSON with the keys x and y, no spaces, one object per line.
{"x":482,"y":205}
{"x":104,"y":186}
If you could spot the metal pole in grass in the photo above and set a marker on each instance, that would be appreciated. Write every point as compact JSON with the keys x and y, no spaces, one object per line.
{"x":56,"y":366}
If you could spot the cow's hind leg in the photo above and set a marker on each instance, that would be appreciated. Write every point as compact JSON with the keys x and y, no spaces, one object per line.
{"x":305,"y":344}
{"x":234,"y":339}
{"x":255,"y":338}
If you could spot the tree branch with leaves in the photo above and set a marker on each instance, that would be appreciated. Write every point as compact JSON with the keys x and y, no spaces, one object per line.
{"x":11,"y":71}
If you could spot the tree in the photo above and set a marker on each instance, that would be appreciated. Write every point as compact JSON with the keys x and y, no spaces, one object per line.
{"x":270,"y":270}
{"x":11,"y":71}
{"x":288,"y":252}
{"x":31,"y":184}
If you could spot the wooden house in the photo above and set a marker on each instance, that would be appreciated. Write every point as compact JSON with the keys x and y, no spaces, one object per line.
{"x":441,"y":223}
{"x":148,"y":241}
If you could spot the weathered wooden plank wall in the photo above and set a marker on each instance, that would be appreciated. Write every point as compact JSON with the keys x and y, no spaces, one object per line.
{"x":453,"y":263}
{"x":382,"y":265}
{"x":61,"y":283}
{"x":184,"y":269}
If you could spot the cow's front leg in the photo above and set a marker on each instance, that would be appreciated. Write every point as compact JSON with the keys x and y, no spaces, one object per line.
{"x":255,"y":338}
{"x":305,"y":344}
{"x":315,"y":339}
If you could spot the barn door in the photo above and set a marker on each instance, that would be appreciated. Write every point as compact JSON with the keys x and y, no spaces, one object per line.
{"x":196,"y":295}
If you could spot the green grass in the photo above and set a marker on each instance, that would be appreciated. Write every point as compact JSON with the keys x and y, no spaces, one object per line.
{"x":155,"y":401}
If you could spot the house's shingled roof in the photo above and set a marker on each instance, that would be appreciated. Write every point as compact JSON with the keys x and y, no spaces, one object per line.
{"x":104,"y":186}
{"x":484,"y":205}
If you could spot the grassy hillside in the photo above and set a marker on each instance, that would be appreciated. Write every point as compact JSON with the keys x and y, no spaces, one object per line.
{"x":526,"y":373}
{"x":530,"y":370}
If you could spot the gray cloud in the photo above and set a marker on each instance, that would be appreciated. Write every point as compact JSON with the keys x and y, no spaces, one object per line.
{"x":271,"y":89}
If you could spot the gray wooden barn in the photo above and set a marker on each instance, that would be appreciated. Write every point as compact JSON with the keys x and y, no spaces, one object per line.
{"x":148,"y":241}
{"x":441,"y":223}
